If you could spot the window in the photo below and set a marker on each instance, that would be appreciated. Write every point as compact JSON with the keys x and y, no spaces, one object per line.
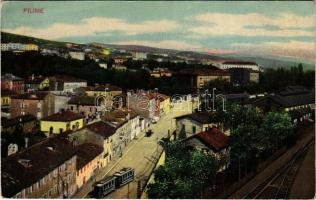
{"x":193,"y":129}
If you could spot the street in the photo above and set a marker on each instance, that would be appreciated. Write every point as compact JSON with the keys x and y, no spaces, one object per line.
{"x":141,"y":154}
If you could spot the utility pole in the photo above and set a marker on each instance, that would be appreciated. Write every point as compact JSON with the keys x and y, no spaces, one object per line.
{"x":139,"y":192}
{"x":128,"y":190}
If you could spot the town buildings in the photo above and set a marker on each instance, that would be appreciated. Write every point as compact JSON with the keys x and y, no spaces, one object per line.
{"x":161,"y":72}
{"x":61,"y":122}
{"x":200,"y":78}
{"x":77,"y":55}
{"x":25,"y":123}
{"x":39,"y":104}
{"x":197,"y":122}
{"x":88,"y":162}
{"x":239,"y":64}
{"x":213,"y":142}
{"x":45,"y":170}
{"x":11,"y":82}
{"x":85,"y":105}
{"x":66,"y":84}
{"x":18,"y":47}
{"x":296,"y":100}
{"x":142,"y":102}
{"x":35,"y":83}
{"x":137,"y":55}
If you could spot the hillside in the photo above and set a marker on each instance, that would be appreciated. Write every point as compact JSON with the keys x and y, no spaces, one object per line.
{"x":9,"y":37}
{"x":266,"y":62}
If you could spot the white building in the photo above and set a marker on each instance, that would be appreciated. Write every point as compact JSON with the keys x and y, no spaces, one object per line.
{"x":239,"y":64}
{"x":77,"y":55}
{"x":5,"y":47}
{"x":103,"y":65}
{"x":140,"y":55}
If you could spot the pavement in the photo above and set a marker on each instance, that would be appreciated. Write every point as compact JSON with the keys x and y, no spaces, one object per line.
{"x":140,"y":154}
{"x":304,"y":184}
{"x":309,"y":134}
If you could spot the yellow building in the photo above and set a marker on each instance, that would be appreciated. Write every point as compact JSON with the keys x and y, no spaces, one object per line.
{"x":105,"y":51}
{"x":6,"y":97}
{"x":102,"y":90}
{"x":88,"y":162}
{"x":164,"y":103}
{"x":36,"y":83}
{"x":61,"y":122}
{"x":31,"y":47}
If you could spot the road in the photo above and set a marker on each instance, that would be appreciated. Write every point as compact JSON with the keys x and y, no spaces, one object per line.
{"x":140,"y":154}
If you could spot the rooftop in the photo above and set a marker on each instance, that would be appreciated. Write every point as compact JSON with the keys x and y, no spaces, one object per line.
{"x":17,"y":120}
{"x":212,"y":138}
{"x":108,"y":87}
{"x":102,"y":128}
{"x":16,"y":176}
{"x":10,"y":77}
{"x":82,"y":100}
{"x":293,"y":90}
{"x":201,"y":117}
{"x":31,"y":96}
{"x":87,"y":152}
{"x":63,"y":116}
{"x":34,"y":80}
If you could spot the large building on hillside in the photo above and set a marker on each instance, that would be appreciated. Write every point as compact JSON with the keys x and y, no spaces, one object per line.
{"x":239,"y":64}
{"x":242,"y":72}
{"x":200,"y":78}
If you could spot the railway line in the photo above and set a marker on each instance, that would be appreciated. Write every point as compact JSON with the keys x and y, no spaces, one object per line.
{"x":279,"y":184}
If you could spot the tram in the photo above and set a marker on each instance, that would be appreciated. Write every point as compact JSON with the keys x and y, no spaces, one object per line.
{"x":110,"y":183}
{"x":104,"y":187}
{"x":124,"y":176}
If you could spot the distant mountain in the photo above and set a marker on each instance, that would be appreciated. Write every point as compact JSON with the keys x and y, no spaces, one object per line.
{"x":9,"y":37}
{"x":266,"y":62}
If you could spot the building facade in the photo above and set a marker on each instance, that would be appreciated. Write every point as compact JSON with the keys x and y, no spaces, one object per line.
{"x":45,"y":170}
{"x":61,"y":122}
{"x":39,"y":104}
{"x":11,"y":82}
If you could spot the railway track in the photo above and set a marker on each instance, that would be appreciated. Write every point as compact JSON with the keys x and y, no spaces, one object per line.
{"x":279,"y":184}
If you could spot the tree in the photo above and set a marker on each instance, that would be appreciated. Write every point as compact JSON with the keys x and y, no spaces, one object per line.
{"x":184,"y":175}
{"x":274,"y":130}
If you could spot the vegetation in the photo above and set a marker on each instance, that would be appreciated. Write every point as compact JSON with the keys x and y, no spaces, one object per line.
{"x":184,"y":175}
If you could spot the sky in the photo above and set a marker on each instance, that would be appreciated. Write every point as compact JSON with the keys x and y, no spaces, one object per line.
{"x":277,"y":28}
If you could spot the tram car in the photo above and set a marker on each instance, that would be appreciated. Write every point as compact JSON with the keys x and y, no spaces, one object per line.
{"x":124,"y":176}
{"x":104,"y":187}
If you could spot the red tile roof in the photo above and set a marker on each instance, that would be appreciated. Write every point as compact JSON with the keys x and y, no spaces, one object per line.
{"x":102,"y":129}
{"x":31,"y":96}
{"x":64,"y":116}
{"x":86,"y":153}
{"x":213,"y":138}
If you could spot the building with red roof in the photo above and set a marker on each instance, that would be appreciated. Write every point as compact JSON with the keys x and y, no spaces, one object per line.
{"x":213,"y":142}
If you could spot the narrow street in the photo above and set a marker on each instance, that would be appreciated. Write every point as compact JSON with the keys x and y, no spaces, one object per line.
{"x":141,"y":154}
